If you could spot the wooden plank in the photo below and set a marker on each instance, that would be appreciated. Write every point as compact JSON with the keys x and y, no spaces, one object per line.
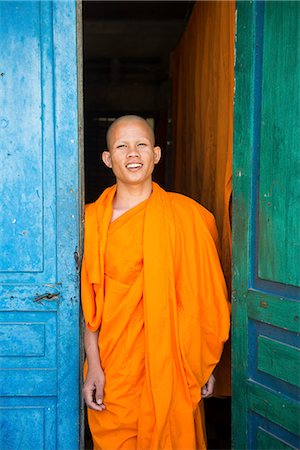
{"x":279,"y":192}
{"x":35,"y":414}
{"x":267,"y":441}
{"x":273,"y":406}
{"x":279,"y":360}
{"x":281,"y":312}
{"x":241,"y":205}
{"x":28,"y":382}
{"x":66,"y":134}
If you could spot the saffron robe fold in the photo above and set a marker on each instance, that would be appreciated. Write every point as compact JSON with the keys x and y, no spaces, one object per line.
{"x":171,"y":318}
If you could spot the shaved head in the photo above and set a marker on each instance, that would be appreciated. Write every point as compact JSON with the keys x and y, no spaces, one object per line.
{"x":129,"y":119}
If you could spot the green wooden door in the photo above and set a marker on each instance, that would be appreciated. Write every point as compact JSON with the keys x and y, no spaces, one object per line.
{"x":266,"y":212}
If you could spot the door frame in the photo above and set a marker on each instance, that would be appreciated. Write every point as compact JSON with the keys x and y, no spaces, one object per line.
{"x":81,"y":195}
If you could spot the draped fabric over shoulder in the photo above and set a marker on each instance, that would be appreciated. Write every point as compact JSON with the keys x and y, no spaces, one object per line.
{"x":152,"y":283}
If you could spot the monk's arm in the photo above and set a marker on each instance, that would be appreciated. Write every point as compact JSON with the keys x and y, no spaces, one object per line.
{"x":94,"y":382}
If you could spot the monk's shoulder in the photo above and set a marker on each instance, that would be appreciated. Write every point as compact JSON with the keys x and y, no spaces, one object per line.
{"x":90,"y":216}
{"x":89,"y":210}
{"x":188,"y":207}
{"x":189,"y":213}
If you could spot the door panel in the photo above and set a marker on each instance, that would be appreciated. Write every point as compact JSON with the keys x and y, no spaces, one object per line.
{"x":39,"y":226}
{"x":27,"y":141}
{"x":266,"y":234}
{"x":279,"y":188}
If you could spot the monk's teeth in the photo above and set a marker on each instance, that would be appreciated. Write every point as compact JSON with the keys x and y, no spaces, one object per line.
{"x":133,"y":166}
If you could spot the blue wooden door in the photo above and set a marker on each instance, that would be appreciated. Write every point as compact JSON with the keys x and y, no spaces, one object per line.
{"x":266,"y":231}
{"x":38,"y":226}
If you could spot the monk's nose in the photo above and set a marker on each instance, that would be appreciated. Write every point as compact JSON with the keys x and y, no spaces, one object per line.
{"x":132,"y":151}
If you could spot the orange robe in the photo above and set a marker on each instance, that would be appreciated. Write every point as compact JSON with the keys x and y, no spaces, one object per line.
{"x":152,"y":283}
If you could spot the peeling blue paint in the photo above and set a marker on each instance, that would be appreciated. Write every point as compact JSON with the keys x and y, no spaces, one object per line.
{"x":39,"y":312}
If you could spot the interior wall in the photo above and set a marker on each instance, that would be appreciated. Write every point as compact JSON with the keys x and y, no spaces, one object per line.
{"x":203,"y":86}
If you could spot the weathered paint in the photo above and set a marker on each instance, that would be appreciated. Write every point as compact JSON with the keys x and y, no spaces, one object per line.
{"x":265,"y":331}
{"x":39,"y":226}
{"x":267,"y":441}
{"x":272,"y":357}
{"x":279,"y":164}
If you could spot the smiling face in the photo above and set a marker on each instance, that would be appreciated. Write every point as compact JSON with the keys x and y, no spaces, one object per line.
{"x":132,"y":154}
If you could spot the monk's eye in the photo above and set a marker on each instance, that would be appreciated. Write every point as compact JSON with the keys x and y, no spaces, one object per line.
{"x":121,"y":146}
{"x":142,"y":144}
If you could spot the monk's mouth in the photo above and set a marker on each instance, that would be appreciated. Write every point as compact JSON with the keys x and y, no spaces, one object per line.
{"x":134,"y":166}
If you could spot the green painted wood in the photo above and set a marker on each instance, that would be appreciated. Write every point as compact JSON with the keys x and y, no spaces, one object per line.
{"x":240,"y":227}
{"x":267,"y":441}
{"x":266,"y":302}
{"x":278,"y":311}
{"x":279,"y":196}
{"x":279,"y":360}
{"x":279,"y":409}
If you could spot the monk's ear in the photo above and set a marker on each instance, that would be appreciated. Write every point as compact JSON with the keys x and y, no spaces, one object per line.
{"x":157,"y":154}
{"x":106,"y":158}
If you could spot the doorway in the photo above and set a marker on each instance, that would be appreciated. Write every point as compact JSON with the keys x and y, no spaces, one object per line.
{"x":127,"y":66}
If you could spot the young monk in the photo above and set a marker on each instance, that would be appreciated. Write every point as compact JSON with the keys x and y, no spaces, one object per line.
{"x":154,"y":302}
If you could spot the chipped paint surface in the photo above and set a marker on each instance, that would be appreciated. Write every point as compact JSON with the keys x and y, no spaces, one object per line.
{"x":39,"y":314}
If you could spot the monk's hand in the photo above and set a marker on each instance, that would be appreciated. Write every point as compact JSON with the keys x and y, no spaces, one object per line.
{"x":93,"y":389}
{"x":208,"y":389}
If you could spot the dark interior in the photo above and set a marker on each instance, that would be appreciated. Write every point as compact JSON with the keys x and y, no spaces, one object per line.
{"x":127,"y":48}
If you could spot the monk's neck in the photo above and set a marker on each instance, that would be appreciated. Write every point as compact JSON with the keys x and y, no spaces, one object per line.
{"x":127,"y":197}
